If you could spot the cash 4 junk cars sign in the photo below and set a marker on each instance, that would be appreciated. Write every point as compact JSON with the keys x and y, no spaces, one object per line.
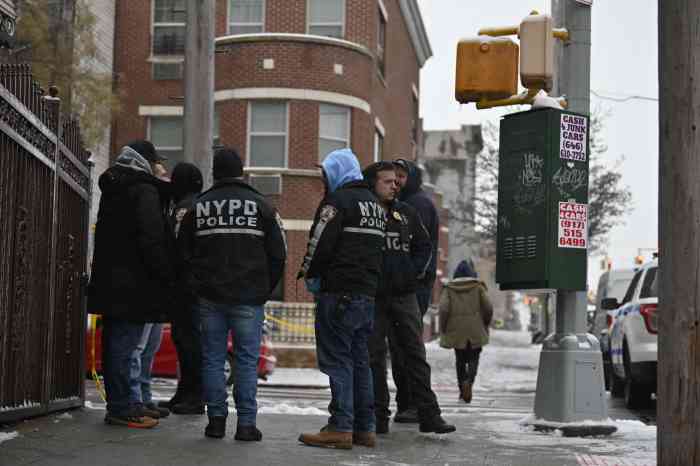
{"x":572,"y":141}
{"x":573,"y":225}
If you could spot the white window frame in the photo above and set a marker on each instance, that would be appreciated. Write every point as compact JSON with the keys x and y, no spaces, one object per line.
{"x":347,"y":141}
{"x":375,"y":154}
{"x":249,"y":133}
{"x":230,"y":23}
{"x":381,"y":50}
{"x":154,"y":25}
{"x":343,"y":19}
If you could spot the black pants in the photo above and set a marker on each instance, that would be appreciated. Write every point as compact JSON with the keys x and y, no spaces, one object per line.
{"x":467,"y":361}
{"x":402,"y":315}
{"x":187,"y":337}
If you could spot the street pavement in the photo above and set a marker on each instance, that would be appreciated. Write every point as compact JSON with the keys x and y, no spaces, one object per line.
{"x":490,"y":431}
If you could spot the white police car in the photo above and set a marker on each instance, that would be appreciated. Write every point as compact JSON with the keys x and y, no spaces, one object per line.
{"x":633,"y":338}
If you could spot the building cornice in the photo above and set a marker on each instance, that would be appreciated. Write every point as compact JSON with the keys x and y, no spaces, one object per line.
{"x":416,"y":29}
{"x":289,"y":37}
{"x":310,"y":173}
{"x":289,"y":93}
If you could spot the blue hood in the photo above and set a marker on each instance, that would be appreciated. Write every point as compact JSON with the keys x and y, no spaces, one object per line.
{"x":341,"y":167}
{"x":464,"y":270}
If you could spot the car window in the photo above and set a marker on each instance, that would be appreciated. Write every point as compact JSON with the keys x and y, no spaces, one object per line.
{"x":632,"y":287}
{"x":618,"y":288}
{"x":650,"y":287}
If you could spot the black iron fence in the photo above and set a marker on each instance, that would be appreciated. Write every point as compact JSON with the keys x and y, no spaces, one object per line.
{"x":44,"y":208}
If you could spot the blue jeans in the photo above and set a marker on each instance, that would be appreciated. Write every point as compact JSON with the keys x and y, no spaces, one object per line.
{"x":245,"y":321}
{"x":343,"y":327}
{"x":119,"y":340}
{"x":142,"y":363}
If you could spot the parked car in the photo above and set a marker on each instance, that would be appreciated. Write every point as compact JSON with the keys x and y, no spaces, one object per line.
{"x":166,"y":364}
{"x":633,"y":338}
{"x":612,"y":284}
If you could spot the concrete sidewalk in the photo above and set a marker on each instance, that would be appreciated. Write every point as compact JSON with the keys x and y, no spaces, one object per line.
{"x":482,"y":438}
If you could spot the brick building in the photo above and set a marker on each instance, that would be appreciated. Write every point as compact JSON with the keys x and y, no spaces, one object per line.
{"x":295,"y":79}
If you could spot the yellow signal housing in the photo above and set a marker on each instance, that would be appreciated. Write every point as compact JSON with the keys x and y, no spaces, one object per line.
{"x":487,"y":68}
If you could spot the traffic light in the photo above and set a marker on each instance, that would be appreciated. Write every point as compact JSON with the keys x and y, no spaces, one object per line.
{"x":487,"y":68}
{"x":639,"y":260}
{"x":536,"y":52}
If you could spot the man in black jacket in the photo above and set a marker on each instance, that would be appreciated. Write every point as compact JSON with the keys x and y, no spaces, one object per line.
{"x":410,"y":181}
{"x":186,"y":184}
{"x":406,"y":259}
{"x":234,"y":250}
{"x":133,"y":271}
{"x":341,"y":267}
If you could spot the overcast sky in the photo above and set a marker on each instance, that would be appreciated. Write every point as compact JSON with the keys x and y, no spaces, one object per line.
{"x":623,"y":63}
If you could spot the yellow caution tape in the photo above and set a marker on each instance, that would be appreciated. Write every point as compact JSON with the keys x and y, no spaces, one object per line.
{"x":308,"y":330}
{"x":93,"y":362}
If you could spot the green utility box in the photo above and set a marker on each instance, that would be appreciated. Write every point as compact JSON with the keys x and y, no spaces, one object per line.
{"x":543,"y":201}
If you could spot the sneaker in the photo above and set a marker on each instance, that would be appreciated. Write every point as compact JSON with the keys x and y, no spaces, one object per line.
{"x":135,"y":422}
{"x":188,"y":407}
{"x":382,"y":426}
{"x":216,"y":427}
{"x":436,"y":425}
{"x":328,"y":439}
{"x":365,"y":439}
{"x":407,"y":416}
{"x":248,"y":434}
{"x":151,"y":410}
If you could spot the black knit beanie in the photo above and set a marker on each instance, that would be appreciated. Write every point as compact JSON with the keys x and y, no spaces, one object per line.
{"x":227,"y":164}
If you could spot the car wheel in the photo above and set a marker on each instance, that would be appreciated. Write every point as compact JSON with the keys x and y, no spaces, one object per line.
{"x":636,"y":395}
{"x":229,"y":365}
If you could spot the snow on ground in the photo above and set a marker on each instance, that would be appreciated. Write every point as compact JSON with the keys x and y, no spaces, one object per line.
{"x":634,"y":440}
{"x":296,"y":377}
{"x":5,"y":436}
{"x":284,"y":408}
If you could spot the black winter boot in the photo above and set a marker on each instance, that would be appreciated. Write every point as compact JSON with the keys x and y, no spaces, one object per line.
{"x":216,"y":427}
{"x":437,"y":425}
{"x":248,"y":434}
{"x":382,"y":425}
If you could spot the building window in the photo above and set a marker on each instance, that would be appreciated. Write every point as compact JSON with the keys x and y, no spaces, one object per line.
{"x":246,"y":16}
{"x":381,"y":43}
{"x":169,"y":27}
{"x":267,"y":135}
{"x":326,"y":18}
{"x":333,"y":129}
{"x":167,"y":71}
{"x":166,"y":134}
{"x":378,"y":146}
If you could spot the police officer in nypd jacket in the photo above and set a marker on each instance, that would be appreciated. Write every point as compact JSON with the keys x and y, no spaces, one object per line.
{"x":234,"y":250}
{"x":342,"y":267}
{"x":407,"y":258}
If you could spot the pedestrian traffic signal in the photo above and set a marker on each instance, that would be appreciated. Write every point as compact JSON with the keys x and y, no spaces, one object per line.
{"x":487,"y":68}
{"x":536,"y":52}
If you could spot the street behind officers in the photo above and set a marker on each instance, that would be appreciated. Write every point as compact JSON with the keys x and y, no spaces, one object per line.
{"x":465,"y":316}
{"x":234,"y":250}
{"x":406,"y":259}
{"x":342,"y":267}
{"x":133,"y":278}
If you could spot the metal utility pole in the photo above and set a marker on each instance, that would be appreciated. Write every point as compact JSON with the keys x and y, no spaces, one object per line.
{"x":199,"y":85}
{"x":678,"y":396}
{"x":570,"y":381}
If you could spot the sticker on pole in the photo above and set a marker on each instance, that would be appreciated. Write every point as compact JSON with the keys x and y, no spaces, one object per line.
{"x":573,"y":225}
{"x":573,"y":137}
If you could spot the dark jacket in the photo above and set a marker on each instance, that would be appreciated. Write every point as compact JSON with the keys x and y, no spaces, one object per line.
{"x":133,"y":274}
{"x":414,"y":195}
{"x":347,"y":236}
{"x":233,"y":245}
{"x":408,"y":252}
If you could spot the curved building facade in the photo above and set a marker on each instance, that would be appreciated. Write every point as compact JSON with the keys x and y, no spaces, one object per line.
{"x":294,"y":80}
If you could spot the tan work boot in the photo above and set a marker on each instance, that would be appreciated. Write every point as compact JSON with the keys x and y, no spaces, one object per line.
{"x":365,"y":439}
{"x":467,"y":392}
{"x":328,"y":439}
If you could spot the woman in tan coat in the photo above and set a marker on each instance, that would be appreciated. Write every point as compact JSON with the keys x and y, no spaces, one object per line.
{"x":465,"y":315}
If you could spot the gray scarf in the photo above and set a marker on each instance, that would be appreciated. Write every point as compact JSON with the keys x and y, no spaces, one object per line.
{"x":129,"y":158}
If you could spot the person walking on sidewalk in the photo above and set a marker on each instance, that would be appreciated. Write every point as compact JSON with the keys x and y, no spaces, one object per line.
{"x":342,"y":267}
{"x":187,"y":182}
{"x":410,"y":180}
{"x":407,"y":256}
{"x":234,"y":250}
{"x":465,"y":316}
{"x":133,"y":278}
